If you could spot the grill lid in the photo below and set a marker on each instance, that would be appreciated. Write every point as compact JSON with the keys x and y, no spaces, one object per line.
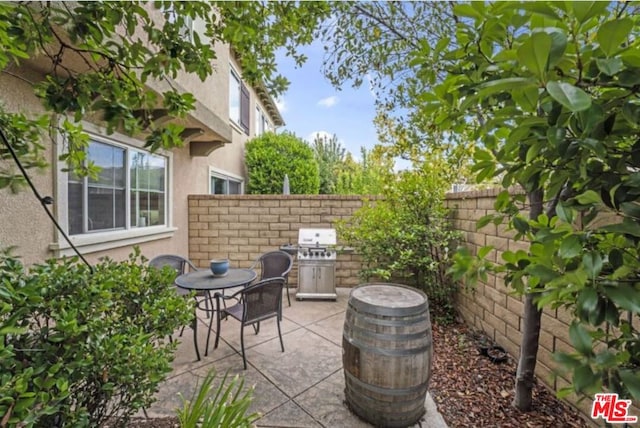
{"x":316,"y":237}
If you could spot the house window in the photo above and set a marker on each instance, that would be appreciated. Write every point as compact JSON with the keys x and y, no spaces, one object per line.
{"x":186,"y":29}
{"x":238,"y":102}
{"x":262,"y":123}
{"x":130,"y":185}
{"x":222,"y":184}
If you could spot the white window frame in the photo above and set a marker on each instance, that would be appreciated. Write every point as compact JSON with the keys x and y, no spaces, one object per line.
{"x":237,"y":86}
{"x":235,"y":83}
{"x":224,"y":175}
{"x":262,"y":122}
{"x":104,"y":240}
{"x":188,"y":27}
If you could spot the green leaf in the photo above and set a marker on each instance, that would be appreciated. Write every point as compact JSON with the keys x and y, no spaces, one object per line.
{"x":526,"y":97}
{"x":592,"y":263}
{"x":612,"y":34}
{"x":520,"y":224}
{"x":483,"y":251}
{"x":587,"y":300}
{"x":564,"y":213}
{"x":609,"y":66}
{"x":627,"y":227}
{"x":631,"y":209}
{"x":583,"y":10}
{"x":570,"y":247}
{"x":534,"y":53}
{"x":625,"y":296}
{"x":505,"y":85}
{"x":558,"y":44}
{"x":575,"y":99}
{"x":589,"y":197}
{"x":584,"y":379}
{"x":631,"y":380}
{"x":580,"y":339}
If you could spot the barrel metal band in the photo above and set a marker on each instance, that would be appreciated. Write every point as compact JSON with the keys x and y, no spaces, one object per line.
{"x":389,"y":352}
{"x":363,"y":307}
{"x":388,"y":336}
{"x":401,"y":322}
{"x":418,"y":389}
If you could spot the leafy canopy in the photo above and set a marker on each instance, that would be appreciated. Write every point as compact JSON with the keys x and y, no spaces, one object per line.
{"x":549,"y":91}
{"x":96,"y":60}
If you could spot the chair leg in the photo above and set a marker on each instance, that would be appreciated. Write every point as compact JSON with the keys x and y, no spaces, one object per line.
{"x":215,"y":346}
{"x":195,"y":336}
{"x":288,"y":298}
{"x":244,"y":358}
{"x":280,"y":334}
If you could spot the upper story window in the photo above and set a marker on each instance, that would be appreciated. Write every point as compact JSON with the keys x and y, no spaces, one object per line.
{"x":262,"y":122}
{"x":129,"y":192}
{"x":224,"y":184}
{"x":187,"y":24}
{"x":238,"y":101}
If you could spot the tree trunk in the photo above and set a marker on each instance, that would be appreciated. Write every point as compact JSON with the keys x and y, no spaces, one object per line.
{"x":530,"y":330}
{"x":528,"y":354}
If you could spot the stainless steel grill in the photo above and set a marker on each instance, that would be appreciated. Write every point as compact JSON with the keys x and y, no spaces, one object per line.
{"x":316,"y":264}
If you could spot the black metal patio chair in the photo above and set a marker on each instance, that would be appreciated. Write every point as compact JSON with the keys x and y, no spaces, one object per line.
{"x":255,"y":303}
{"x":275,"y":264}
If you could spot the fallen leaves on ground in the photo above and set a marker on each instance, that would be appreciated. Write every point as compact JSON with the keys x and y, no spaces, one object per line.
{"x":472,"y":391}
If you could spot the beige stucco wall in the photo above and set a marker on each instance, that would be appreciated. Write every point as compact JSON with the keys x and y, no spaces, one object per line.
{"x":22,"y":218}
{"x":24,"y":224}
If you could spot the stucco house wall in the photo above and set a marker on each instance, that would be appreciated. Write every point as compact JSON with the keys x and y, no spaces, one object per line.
{"x":24,"y":224}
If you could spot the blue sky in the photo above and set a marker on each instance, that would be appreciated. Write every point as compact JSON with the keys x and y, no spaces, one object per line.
{"x":313,"y":105}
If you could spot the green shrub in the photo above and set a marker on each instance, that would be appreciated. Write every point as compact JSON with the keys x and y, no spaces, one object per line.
{"x":405,"y":237}
{"x":226,"y":407}
{"x":78,"y":348}
{"x":270,"y":156}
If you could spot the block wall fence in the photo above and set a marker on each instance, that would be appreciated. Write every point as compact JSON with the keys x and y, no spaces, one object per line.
{"x":241,"y":227}
{"x":494,"y":308}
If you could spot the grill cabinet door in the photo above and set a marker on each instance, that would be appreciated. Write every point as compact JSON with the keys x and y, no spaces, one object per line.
{"x":306,"y":278}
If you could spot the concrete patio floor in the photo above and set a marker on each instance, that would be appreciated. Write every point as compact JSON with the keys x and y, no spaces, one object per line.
{"x":301,"y":387}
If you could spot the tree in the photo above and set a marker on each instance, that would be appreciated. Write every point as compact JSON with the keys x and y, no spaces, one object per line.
{"x":413,"y":246}
{"x":100,"y":55}
{"x":270,"y":157}
{"x":367,"y":177}
{"x":329,"y":154}
{"x":377,"y":43}
{"x":550,"y":92}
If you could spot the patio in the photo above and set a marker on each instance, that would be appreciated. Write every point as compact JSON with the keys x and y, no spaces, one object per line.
{"x":302,"y":387}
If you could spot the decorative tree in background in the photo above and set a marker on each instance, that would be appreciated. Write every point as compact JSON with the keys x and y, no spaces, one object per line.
{"x":270,"y":157}
{"x":329,"y":154}
{"x":369,"y":176}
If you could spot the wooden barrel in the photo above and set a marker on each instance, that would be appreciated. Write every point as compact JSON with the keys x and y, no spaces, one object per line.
{"x":386,"y":353}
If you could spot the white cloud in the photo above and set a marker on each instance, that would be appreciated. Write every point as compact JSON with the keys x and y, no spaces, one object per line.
{"x":281,"y":104}
{"x":328,"y":102}
{"x":322,"y":134}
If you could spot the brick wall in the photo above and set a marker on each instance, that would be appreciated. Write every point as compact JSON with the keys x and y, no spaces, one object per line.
{"x":241,"y":227}
{"x":494,"y":308}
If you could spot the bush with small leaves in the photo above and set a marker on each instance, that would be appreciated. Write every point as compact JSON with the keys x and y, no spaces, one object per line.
{"x":79,"y":348}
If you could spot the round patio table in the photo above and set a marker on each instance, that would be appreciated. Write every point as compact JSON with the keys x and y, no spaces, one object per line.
{"x":203,"y":280}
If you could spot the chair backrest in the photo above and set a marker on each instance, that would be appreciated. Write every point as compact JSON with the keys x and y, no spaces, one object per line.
{"x":275,"y":264}
{"x":178,"y":263}
{"x":263,"y":299}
